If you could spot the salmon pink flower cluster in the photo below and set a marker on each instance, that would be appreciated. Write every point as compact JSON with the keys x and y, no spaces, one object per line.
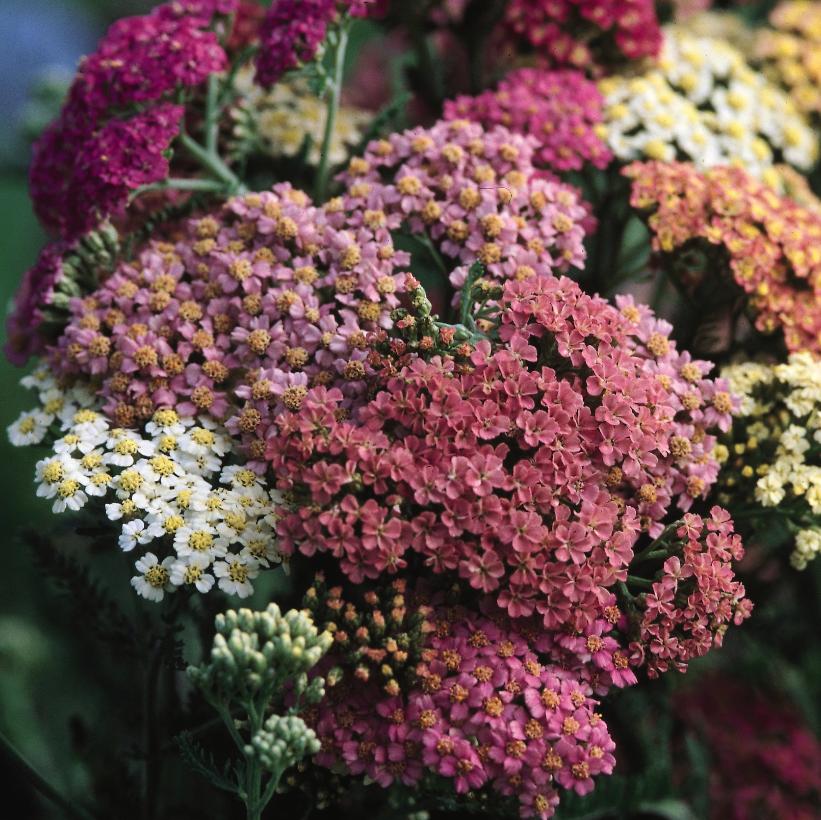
{"x":695,"y":596}
{"x":560,"y":109}
{"x":769,"y":243}
{"x":481,"y":711}
{"x":470,"y":194}
{"x":530,"y":475}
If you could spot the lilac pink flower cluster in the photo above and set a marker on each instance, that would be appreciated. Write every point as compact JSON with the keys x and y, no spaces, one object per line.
{"x":531,"y":475}
{"x":771,"y":242}
{"x":473,"y":194}
{"x":560,"y":31}
{"x":119,"y":119}
{"x":561,"y":109}
{"x":237,"y":319}
{"x":480,"y":710}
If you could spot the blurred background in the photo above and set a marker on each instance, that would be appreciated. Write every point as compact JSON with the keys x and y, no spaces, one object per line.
{"x":45,"y":699}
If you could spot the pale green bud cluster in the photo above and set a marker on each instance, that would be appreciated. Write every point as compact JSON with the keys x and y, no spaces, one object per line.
{"x":256,"y":651}
{"x":283,"y":741}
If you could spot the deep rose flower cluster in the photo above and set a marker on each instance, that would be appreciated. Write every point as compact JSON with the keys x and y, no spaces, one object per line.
{"x":695,"y":596}
{"x":473,"y":194}
{"x":765,"y":757}
{"x":771,"y":243}
{"x":560,"y":109}
{"x":93,"y":154}
{"x":531,"y":475}
{"x":293,"y":31}
{"x":551,"y":28}
{"x":483,"y":711}
{"x":35,"y":293}
{"x":236,"y":319}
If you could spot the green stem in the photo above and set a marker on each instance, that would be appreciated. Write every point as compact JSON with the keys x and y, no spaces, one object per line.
{"x":150,"y":742}
{"x":639,"y":582}
{"x":324,"y":170}
{"x":651,"y":556}
{"x":175,"y":184}
{"x":39,"y":783}
{"x":212,"y":163}
{"x":212,"y":115}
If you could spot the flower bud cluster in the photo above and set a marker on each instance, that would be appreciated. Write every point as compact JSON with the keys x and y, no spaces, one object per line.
{"x":283,"y":741}
{"x":259,"y":652}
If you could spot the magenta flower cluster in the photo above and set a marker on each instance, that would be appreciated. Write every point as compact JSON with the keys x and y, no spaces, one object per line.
{"x":99,"y":149}
{"x":484,"y":712}
{"x":552,"y":28}
{"x":293,"y":31}
{"x":473,"y":194}
{"x":531,"y":475}
{"x":35,"y":293}
{"x":237,"y":319}
{"x":695,"y":596}
{"x":560,"y":109}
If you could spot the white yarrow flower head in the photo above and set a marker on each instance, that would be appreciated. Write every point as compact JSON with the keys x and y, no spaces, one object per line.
{"x":136,"y":532}
{"x":167,"y":422}
{"x":235,"y":574}
{"x":154,"y":579}
{"x":192,"y":570}
{"x":29,"y":429}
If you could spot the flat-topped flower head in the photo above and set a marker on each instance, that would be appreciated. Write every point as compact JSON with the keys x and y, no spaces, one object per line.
{"x":560,"y":109}
{"x":767,"y":244}
{"x":481,"y":711}
{"x":550,"y":29}
{"x":789,"y":53}
{"x":472,"y":193}
{"x":252,"y":305}
{"x":537,"y":467}
{"x":703,"y":103}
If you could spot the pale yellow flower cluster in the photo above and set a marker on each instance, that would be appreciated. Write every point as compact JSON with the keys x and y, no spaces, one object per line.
{"x":703,"y":103}
{"x":285,"y":120}
{"x":774,"y":459}
{"x":790,"y":52}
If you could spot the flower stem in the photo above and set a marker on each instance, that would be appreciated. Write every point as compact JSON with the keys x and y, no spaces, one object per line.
{"x":639,"y":582}
{"x":38,"y":782}
{"x":324,"y":170}
{"x":212,"y":163}
{"x":211,"y":115}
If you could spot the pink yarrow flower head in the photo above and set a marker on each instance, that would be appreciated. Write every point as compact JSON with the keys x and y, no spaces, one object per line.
{"x":293,"y":30}
{"x":482,"y":710}
{"x":531,"y":474}
{"x":694,"y":597}
{"x":472,"y":193}
{"x":561,"y":109}
{"x":81,"y":171}
{"x":625,"y":30}
{"x":237,"y":319}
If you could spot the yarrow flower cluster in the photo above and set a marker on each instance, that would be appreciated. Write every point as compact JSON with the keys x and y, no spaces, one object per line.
{"x":471,"y":194}
{"x":560,"y":109}
{"x":530,"y":475}
{"x":551,"y":28}
{"x":293,"y":31}
{"x":93,"y":155}
{"x":237,"y":319}
{"x":704,"y":104}
{"x":694,"y":597}
{"x":172,"y":488}
{"x":767,"y":754}
{"x":771,"y":455}
{"x":286,"y":119}
{"x":482,"y":711}
{"x":790,"y":52}
{"x":767,"y":244}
